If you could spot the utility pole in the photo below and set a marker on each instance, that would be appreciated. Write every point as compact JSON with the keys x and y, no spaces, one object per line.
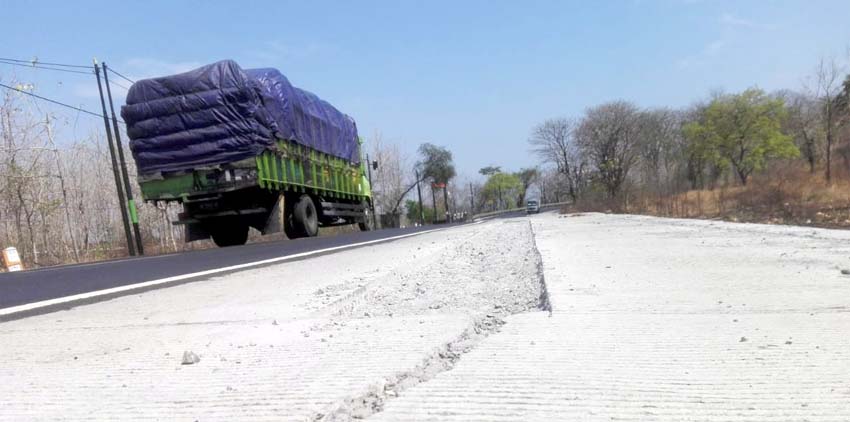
{"x":130,"y":248}
{"x":471,"y":200}
{"x":434,"y":202}
{"x":446,"y":201}
{"x":419,"y":191}
{"x":372,"y":204}
{"x":131,"y":205}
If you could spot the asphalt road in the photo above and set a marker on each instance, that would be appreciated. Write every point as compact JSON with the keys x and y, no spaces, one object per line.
{"x":26,"y":287}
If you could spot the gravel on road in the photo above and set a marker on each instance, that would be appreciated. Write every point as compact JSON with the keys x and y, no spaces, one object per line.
{"x":326,"y":338}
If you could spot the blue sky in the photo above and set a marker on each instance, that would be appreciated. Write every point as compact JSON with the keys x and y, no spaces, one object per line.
{"x":474,"y":76}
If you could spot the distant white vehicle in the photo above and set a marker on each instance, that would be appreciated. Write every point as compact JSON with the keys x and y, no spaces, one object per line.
{"x":532,"y":207}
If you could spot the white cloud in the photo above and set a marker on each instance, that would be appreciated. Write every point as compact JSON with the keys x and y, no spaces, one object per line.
{"x":732,"y":20}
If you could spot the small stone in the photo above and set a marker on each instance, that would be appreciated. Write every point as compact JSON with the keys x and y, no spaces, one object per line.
{"x":788,"y":342}
{"x":743,"y":339}
{"x":190,"y":358}
{"x":845,"y":271}
{"x":274,"y":322}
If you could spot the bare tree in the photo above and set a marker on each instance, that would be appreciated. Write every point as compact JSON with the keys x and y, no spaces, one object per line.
{"x":391,"y":179}
{"x":609,"y":136}
{"x":827,"y":88}
{"x":803,"y":124}
{"x":660,"y":130}
{"x":555,"y":143}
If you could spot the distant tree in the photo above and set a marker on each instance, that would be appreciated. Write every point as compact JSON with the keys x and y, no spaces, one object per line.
{"x":412,"y":213}
{"x":803,"y":124}
{"x":550,"y":186}
{"x":554,"y":142}
{"x":501,"y":189}
{"x":743,"y":130}
{"x":660,"y":130}
{"x":827,"y":90}
{"x":490,"y":170}
{"x":609,"y":137}
{"x":527,"y":177}
{"x":438,"y":167}
{"x":391,"y":179}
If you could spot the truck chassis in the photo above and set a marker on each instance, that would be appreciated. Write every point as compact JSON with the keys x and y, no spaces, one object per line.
{"x":292,"y":188}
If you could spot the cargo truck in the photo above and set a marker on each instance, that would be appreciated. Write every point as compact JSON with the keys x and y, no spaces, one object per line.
{"x":242,"y":148}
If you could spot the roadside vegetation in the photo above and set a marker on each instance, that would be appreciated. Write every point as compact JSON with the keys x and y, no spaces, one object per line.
{"x":776,"y":157}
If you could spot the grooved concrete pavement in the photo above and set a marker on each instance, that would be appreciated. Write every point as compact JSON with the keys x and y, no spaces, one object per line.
{"x":269,"y":348}
{"x":327,"y":338}
{"x":665,"y":320}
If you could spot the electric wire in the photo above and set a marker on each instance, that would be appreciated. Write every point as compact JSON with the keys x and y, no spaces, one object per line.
{"x":36,"y":61}
{"x":39,"y":66}
{"x":119,"y":85}
{"x":80,"y":109}
{"x":121,"y":76}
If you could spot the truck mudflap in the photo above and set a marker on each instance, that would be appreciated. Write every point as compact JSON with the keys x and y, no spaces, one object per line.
{"x":277,"y":217}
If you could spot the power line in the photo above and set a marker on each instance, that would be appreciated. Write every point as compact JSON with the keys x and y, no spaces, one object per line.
{"x":117,"y":84}
{"x":38,"y":66}
{"x":36,"y":61}
{"x":80,"y":109}
{"x":122,"y":76}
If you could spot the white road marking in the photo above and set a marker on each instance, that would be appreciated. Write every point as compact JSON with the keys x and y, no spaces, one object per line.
{"x":113,"y":290}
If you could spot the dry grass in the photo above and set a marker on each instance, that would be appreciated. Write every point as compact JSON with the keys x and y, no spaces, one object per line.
{"x":791,"y":195}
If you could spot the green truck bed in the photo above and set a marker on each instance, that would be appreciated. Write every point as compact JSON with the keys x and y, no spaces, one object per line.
{"x":291,"y":188}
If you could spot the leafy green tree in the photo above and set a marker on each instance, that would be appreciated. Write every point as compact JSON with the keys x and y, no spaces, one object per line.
{"x":438,"y":167}
{"x":742,"y":130}
{"x":490,"y":170}
{"x":501,"y":188}
{"x":413,"y":211}
{"x":436,"y":164}
{"x":526,"y":177}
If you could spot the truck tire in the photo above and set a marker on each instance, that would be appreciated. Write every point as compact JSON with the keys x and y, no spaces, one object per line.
{"x":232,"y":234}
{"x":290,"y":226}
{"x":369,"y":222}
{"x":306,"y":218}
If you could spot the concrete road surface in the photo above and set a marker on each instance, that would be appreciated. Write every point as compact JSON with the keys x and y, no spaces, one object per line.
{"x":593,"y":317}
{"x":54,"y":285}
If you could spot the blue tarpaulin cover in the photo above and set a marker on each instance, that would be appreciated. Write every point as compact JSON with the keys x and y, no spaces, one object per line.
{"x":220,"y":113}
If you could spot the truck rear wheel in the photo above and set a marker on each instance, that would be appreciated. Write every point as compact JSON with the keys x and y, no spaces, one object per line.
{"x":230,"y":234}
{"x":305,"y":218}
{"x":368,"y":223}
